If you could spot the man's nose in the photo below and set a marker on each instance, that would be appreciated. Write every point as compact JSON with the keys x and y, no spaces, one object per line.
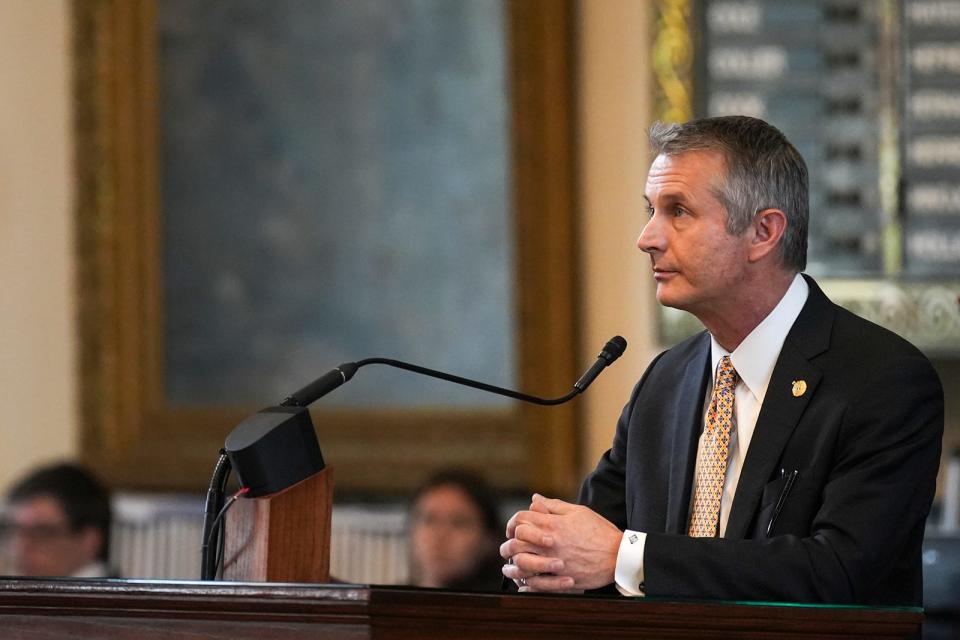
{"x":651,"y":237}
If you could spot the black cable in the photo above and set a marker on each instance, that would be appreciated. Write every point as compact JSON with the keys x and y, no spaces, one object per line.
{"x":214,"y":503}
{"x":221,"y":545}
{"x":223,"y":511}
{"x":220,"y":532}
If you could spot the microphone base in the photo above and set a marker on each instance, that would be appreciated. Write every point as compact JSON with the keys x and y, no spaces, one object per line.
{"x":274,"y":449}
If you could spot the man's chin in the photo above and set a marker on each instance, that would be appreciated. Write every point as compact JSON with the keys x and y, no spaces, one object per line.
{"x":668,"y":297}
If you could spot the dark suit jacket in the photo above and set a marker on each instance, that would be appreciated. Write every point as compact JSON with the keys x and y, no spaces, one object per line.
{"x":865,"y":438}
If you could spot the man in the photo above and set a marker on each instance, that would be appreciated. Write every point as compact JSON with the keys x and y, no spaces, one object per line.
{"x":789,"y":452}
{"x":58,"y":523}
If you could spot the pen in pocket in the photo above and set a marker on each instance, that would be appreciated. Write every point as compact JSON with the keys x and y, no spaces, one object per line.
{"x":783,"y":497}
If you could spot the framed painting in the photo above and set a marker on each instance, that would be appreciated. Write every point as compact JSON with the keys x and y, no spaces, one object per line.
{"x":266,"y":190}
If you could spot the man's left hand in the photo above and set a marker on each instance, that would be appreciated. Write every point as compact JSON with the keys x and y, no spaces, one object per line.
{"x":573,"y":544}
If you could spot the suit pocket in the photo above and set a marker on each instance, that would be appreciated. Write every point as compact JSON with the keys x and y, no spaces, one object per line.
{"x":797,"y":506}
{"x":772,"y":491}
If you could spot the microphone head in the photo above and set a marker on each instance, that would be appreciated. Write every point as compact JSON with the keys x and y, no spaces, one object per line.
{"x":613,"y":349}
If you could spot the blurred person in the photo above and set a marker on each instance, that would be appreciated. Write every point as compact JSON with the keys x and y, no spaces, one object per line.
{"x":58,"y":523}
{"x":455,"y":532}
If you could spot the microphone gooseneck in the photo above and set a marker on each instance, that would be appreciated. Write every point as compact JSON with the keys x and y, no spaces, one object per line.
{"x":336,"y":377}
{"x":277,"y":447}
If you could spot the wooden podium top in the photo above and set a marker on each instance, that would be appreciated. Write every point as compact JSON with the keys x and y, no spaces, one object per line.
{"x":141,"y":610}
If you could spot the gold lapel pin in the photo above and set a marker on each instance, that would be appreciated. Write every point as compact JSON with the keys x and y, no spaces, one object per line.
{"x":799,"y":388}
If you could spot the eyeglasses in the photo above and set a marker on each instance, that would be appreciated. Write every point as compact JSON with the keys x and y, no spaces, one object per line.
{"x":40,"y":533}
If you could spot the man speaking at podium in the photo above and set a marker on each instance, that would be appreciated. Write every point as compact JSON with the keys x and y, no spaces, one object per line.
{"x":788,"y":453}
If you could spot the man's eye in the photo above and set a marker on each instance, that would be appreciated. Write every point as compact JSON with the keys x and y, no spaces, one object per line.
{"x":649,"y":212}
{"x":679,"y":211}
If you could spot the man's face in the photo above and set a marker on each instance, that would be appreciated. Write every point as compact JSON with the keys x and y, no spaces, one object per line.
{"x":697,"y":265}
{"x":42,"y":542}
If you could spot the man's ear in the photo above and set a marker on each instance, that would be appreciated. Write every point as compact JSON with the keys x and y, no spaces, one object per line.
{"x":769,"y":226}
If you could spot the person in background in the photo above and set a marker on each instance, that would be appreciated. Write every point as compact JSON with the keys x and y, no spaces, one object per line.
{"x":58,"y":523}
{"x":455,"y":531}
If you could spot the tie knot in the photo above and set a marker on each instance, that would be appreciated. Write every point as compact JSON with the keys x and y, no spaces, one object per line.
{"x":726,"y":374}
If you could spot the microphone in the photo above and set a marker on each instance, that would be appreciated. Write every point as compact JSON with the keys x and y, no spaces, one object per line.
{"x":277,"y":447}
{"x":333,"y":379}
{"x":607,"y":356}
{"x":322,"y":385}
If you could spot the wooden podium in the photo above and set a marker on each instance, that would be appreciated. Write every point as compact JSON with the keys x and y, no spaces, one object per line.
{"x":141,"y":610}
{"x":284,"y":537}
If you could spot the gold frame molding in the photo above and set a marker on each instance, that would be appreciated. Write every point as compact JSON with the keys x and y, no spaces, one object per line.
{"x":135,"y":439}
{"x":672,"y":61}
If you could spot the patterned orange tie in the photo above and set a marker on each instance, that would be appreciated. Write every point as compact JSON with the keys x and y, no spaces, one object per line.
{"x":712,"y":468}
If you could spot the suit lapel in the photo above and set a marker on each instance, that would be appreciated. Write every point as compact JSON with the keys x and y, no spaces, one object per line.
{"x":689,"y":421}
{"x":778,"y":417}
{"x":782,"y":409}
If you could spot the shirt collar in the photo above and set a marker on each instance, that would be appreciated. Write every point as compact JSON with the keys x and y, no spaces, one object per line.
{"x":756,"y":356}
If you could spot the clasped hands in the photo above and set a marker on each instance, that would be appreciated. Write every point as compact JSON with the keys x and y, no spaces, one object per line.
{"x":558,"y":546}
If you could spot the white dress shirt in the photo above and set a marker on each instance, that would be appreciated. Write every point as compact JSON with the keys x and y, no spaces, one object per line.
{"x":753,"y":360}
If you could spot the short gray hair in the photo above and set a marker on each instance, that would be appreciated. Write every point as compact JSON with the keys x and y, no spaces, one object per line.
{"x":763,"y":171}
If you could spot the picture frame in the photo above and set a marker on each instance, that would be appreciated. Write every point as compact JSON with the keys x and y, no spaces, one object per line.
{"x":136,"y":439}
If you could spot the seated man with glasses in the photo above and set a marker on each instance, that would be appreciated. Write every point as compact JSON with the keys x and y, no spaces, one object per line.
{"x":58,"y":523}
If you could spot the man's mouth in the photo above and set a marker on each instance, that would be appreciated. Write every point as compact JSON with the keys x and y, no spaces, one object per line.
{"x":660,"y":274}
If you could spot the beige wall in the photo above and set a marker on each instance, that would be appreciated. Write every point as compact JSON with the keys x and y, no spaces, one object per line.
{"x":617,"y":287}
{"x":37,"y":346}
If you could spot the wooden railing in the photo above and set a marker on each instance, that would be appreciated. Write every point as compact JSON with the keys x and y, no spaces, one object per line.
{"x":141,"y":610}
